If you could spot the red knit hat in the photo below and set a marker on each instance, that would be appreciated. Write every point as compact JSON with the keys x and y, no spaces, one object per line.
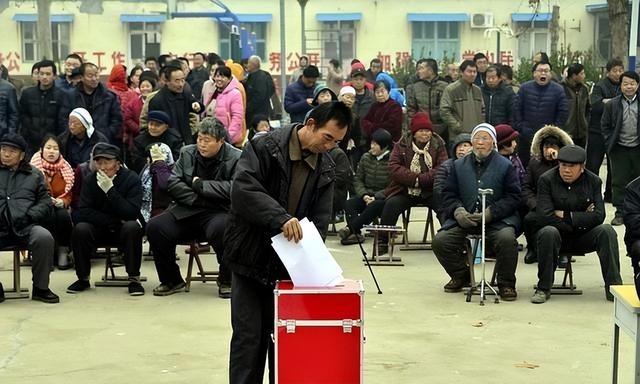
{"x":505,"y":134}
{"x":420,"y":121}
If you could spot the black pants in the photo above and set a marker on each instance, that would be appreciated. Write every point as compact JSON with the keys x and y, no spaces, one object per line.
{"x":394,"y":206}
{"x":86,"y":237}
{"x":59,"y":224}
{"x":40,"y":243}
{"x":252,"y":311}
{"x":449,"y":244}
{"x":360,"y":214}
{"x":602,"y":239}
{"x":164,"y":232}
{"x":596,"y":151}
{"x":624,"y":168}
{"x":634,"y":252}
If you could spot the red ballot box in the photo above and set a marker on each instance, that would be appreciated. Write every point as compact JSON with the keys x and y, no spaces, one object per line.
{"x":318,"y":333}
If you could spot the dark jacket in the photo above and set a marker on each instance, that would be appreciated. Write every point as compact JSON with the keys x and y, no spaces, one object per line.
{"x":387,"y":115}
{"x":372,"y":175}
{"x":108,"y":210}
{"x":39,"y":115}
{"x":259,"y":195}
{"x":538,"y":164}
{"x":177,"y":106}
{"x":400,"y":166}
{"x":205,"y":195}
{"x":104,"y":108}
{"x":631,"y":209}
{"x":604,"y":89}
{"x":499,"y":104}
{"x":612,"y":120}
{"x":360,"y":108}
{"x":344,"y":178}
{"x":8,"y":108}
{"x":160,"y":199}
{"x":65,"y":86}
{"x":144,"y":140}
{"x":24,"y":200}
{"x":295,"y":100}
{"x":442,"y":175}
{"x":76,"y":153}
{"x":461,"y":190}
{"x":579,"y":110}
{"x":196,"y":80}
{"x":424,"y":96}
{"x":259,"y":88}
{"x":573,"y":199}
{"x":537,"y":106}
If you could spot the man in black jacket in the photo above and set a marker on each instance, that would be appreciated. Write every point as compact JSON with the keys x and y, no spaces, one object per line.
{"x":177,"y":102}
{"x":260,"y":88}
{"x":200,"y":185}
{"x":571,"y":213}
{"x":281,"y":178}
{"x":632,"y":228}
{"x":498,"y":98}
{"x":108,"y":214}
{"x":158,"y":131}
{"x":40,"y":107}
{"x":8,"y":108}
{"x":24,"y":203}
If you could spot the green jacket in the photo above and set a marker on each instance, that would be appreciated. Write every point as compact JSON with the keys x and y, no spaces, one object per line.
{"x":462,"y":107}
{"x":425,"y":96}
{"x":372,"y":175}
{"x":579,"y":110}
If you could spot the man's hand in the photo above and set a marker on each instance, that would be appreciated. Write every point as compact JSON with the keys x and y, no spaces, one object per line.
{"x":559,"y":213}
{"x":465,"y":219}
{"x":292,"y":230}
{"x":368,"y":199}
{"x":104,"y":182}
{"x":196,"y":107}
{"x":591,"y":207}
{"x":309,"y":101}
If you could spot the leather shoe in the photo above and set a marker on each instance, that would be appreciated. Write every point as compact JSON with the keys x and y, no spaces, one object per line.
{"x":531,"y":256}
{"x":44,"y":295}
{"x":458,"y":282}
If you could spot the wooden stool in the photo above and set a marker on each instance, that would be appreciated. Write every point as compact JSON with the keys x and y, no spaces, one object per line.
{"x":110,"y":279}
{"x":390,"y":230}
{"x":427,"y":235}
{"x":202,"y":275}
{"x":16,"y":292}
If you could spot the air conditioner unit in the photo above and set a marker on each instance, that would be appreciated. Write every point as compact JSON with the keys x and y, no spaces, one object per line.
{"x":482,"y":20}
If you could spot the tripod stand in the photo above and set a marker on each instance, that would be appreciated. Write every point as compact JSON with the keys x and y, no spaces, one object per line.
{"x":482,"y":285}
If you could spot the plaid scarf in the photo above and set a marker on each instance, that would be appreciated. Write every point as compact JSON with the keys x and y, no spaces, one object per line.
{"x":49,"y":170}
{"x":416,"y":167}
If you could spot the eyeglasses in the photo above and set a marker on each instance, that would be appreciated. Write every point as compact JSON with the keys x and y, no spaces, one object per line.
{"x":543,"y":70}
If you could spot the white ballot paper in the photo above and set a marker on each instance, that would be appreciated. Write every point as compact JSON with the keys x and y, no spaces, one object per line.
{"x":308,"y":261}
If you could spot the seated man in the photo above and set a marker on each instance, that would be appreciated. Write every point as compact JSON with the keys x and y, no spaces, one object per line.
{"x":631,"y":218}
{"x":157,"y":132}
{"x":571,"y":211}
{"x":200,"y":185}
{"x":544,"y":155}
{"x":78,"y":141}
{"x":108,"y":214}
{"x":484,"y":167}
{"x":372,"y":177}
{"x":24,"y":203}
{"x":460,"y":147}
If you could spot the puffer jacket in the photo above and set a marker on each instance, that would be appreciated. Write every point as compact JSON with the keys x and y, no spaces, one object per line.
{"x":579,"y":110}
{"x":462,"y":107}
{"x":214,"y":194}
{"x":400,"y":166}
{"x":424,"y":96}
{"x":499,"y":104}
{"x":230,"y":111}
{"x":537,"y":106}
{"x":295,"y":100}
{"x":24,"y":199}
{"x":372,"y":175}
{"x":538,"y":165}
{"x":259,"y":196}
{"x":604,"y":89}
{"x":117,"y":83}
{"x":39,"y":115}
{"x":8,"y":108}
{"x":387,"y":115}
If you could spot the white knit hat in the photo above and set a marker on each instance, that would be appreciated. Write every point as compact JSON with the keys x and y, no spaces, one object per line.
{"x":85,"y":118}
{"x":347,"y":90}
{"x":485,"y":127}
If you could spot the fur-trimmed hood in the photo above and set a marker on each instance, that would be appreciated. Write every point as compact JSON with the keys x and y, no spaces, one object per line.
{"x":543,"y":133}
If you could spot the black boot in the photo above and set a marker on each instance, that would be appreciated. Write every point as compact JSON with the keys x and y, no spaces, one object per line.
{"x":531,"y":256}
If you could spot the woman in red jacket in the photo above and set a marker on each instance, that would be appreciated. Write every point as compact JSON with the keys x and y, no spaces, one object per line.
{"x":384,"y":114}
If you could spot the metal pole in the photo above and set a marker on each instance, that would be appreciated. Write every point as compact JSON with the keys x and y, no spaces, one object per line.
{"x":302,"y":25}
{"x":498,"y":49}
{"x":283,"y":57}
{"x":633,"y":35}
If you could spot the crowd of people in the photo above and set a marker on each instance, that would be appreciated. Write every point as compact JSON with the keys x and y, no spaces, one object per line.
{"x":179,"y":151}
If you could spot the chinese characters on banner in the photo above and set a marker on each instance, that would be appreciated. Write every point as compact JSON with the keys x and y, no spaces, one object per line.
{"x":506,"y":57}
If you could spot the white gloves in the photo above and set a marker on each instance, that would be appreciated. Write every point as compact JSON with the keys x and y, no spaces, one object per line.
{"x":156,"y":153}
{"x":104,"y":182}
{"x":58,"y":203}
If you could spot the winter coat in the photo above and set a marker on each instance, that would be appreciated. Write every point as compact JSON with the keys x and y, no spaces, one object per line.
{"x":631,"y":209}
{"x":259,"y":87}
{"x":344,"y":178}
{"x":39,"y":115}
{"x":104,"y":108}
{"x":579,"y":110}
{"x":461,"y":190}
{"x":372,"y":175}
{"x":76,"y":154}
{"x":604,"y":89}
{"x":537,"y":106}
{"x":259,"y":196}
{"x":499,"y":104}
{"x":177,"y":106}
{"x":131,"y":117}
{"x":160,"y":199}
{"x":387,"y":115}
{"x":8,"y":108}
{"x":573,"y":199}
{"x":141,"y":147}
{"x":425,"y":96}
{"x":400,"y":166}
{"x":360,"y":109}
{"x":196,"y":80}
{"x":208,"y":195}
{"x":108,"y":210}
{"x":461,"y":107}
{"x":64,"y":85}
{"x":538,"y":165}
{"x":394,"y":93}
{"x":24,"y":200}
{"x":230,"y":111}
{"x":295,"y":100}
{"x":611,"y":122}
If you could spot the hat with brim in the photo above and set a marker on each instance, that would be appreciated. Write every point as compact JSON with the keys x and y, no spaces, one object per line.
{"x":106,"y":151}
{"x":572,"y":154}
{"x":14,"y":140}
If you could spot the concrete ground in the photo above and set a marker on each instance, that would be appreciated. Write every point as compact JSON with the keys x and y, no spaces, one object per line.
{"x":415,"y":333}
